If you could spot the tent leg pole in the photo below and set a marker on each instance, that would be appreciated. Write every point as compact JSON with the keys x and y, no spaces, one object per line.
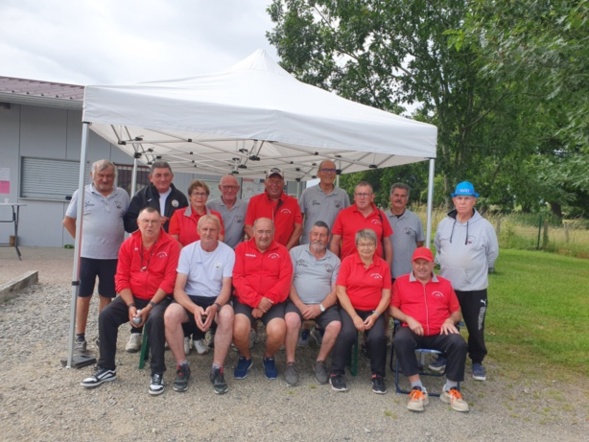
{"x":78,"y":360}
{"x":430,"y":201}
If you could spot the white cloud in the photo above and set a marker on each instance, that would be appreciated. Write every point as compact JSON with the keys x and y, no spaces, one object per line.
{"x":121,"y":41}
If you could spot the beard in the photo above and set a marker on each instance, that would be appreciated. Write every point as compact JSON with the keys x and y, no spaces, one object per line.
{"x":317,"y":246}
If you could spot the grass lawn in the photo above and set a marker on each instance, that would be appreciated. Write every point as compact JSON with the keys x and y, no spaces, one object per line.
{"x":538,"y":318}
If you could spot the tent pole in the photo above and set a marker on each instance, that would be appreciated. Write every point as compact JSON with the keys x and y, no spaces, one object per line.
{"x":134,"y":176}
{"x":78,"y":360}
{"x":430,"y":200}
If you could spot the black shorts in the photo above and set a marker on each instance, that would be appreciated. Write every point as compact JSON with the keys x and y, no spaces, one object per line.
{"x":105,"y":270}
{"x":329,"y":315}
{"x":277,"y":311}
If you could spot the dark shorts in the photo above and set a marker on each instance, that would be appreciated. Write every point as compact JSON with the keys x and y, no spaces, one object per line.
{"x":189,"y":326}
{"x":105,"y":270}
{"x":277,"y":311}
{"x":323,"y":320}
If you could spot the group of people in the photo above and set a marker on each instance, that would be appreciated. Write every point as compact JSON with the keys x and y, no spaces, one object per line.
{"x":190,"y":266}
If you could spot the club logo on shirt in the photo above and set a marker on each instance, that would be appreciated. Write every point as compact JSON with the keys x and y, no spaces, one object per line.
{"x":162,"y":255}
{"x":88,"y":204}
{"x":338,"y":204}
{"x":274,"y":256}
{"x":470,"y":240}
{"x":408,"y":231}
{"x":375,"y":221}
{"x":286,"y":211}
{"x":377,"y":276}
{"x":175,"y":203}
{"x":328,"y":268}
{"x":315,"y":203}
{"x":437,"y":294}
{"x":239,"y":219}
{"x":118,"y":205}
{"x":301,"y":263}
{"x":218,"y":265}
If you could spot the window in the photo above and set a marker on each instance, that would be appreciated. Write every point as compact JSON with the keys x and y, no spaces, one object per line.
{"x":49,"y":179}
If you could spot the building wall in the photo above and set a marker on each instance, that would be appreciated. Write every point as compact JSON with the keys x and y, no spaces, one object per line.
{"x":39,"y":132}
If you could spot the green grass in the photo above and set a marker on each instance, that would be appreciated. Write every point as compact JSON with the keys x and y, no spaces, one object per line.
{"x":538,"y":318}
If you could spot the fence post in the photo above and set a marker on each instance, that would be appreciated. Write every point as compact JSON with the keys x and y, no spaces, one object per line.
{"x":545,"y":236}
{"x":539,"y":232}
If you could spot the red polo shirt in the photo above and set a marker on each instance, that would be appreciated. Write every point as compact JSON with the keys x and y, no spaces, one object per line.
{"x":364,"y":286}
{"x":144,"y":271}
{"x":261,"y":274}
{"x":285,"y":213}
{"x":430,"y":304}
{"x":184,"y":222}
{"x":350,"y":220}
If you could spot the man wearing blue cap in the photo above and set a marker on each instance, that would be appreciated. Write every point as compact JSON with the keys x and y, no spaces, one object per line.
{"x":467,"y":247}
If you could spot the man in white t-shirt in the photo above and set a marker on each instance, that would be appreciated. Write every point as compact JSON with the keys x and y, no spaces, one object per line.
{"x":202,"y":294}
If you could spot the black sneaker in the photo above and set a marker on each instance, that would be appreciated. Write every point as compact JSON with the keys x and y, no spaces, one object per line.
{"x":378,"y":385}
{"x":218,"y":380}
{"x":338,"y":382}
{"x":157,"y":384}
{"x":182,"y":377}
{"x":101,"y":376}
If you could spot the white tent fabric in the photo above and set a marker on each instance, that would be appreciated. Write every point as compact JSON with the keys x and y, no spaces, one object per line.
{"x":250,"y":118}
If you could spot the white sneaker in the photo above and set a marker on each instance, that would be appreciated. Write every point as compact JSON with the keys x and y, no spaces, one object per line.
{"x":134,"y":343}
{"x":187,"y":345}
{"x":201,"y":347}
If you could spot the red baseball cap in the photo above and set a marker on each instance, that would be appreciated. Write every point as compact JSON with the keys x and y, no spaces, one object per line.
{"x":423,"y":253}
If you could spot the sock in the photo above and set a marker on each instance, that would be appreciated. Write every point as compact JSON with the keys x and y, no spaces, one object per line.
{"x":80,"y":337}
{"x":450,"y":384}
{"x":216,"y":366}
{"x":417,"y":383}
{"x":184,"y":362}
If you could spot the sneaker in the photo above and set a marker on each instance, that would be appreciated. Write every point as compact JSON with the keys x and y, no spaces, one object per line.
{"x":270,"y":370}
{"x":80,"y":346}
{"x":201,"y":347}
{"x":101,"y":376}
{"x":378,"y":385}
{"x":243,"y":367}
{"x":317,"y":335}
{"x":187,"y":345}
{"x":290,"y":374}
{"x":478,"y":372}
{"x":182,"y":377}
{"x":439,"y":365}
{"x":321,"y":373}
{"x":253,"y":338}
{"x":218,"y":380}
{"x":157,"y":384}
{"x":418,"y":399}
{"x":134,"y":343}
{"x":338,"y":382}
{"x":454,"y":398}
{"x":304,"y":338}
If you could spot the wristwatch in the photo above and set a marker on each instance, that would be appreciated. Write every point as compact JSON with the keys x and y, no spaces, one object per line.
{"x":321,"y":308}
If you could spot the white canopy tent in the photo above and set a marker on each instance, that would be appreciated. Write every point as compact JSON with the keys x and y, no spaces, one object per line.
{"x":246,"y":120}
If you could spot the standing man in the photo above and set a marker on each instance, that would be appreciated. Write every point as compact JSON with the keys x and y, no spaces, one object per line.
{"x":165,"y":198}
{"x":146,"y":273}
{"x":428,"y":309}
{"x":312,"y":297}
{"x":202,"y":292}
{"x":467,"y":247}
{"x":104,"y":231}
{"x":363,"y":214}
{"x":283,"y":210}
{"x":323,"y":201}
{"x":407,"y":227}
{"x":262,"y":278}
{"x":232,"y":210}
{"x":159,"y":194}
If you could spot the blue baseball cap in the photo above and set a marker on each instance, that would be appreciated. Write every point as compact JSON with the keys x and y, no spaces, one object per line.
{"x":465,"y":188}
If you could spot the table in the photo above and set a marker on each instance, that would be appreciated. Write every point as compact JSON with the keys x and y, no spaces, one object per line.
{"x":15,"y":215}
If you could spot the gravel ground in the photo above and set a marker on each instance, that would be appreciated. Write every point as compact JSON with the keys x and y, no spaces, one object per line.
{"x":42,"y":401}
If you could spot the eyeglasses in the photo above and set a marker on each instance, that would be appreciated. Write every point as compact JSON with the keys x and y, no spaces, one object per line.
{"x":362,"y":195}
{"x":325,"y":170}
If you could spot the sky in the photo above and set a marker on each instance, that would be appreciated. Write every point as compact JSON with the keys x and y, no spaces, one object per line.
{"x":127,"y":41}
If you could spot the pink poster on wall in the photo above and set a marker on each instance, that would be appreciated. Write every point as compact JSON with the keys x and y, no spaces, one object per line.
{"x":4,"y":180}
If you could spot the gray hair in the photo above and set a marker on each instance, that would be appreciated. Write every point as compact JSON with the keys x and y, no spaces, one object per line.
{"x":366,"y":234}
{"x":99,"y":165}
{"x":401,"y":186}
{"x":322,"y":224}
{"x":208,"y":217}
{"x":160,"y":165}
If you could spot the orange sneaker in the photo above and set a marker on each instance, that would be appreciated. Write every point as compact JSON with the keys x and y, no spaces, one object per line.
{"x":454,"y":398}
{"x":418,"y":399}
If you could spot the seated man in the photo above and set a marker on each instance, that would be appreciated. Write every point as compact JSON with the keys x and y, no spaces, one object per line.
{"x":428,"y":308}
{"x":261,"y":277}
{"x":312,"y":296}
{"x":145,"y":277}
{"x":202,"y":292}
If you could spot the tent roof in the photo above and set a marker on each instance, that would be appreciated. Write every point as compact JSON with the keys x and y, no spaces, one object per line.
{"x":250,"y":118}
